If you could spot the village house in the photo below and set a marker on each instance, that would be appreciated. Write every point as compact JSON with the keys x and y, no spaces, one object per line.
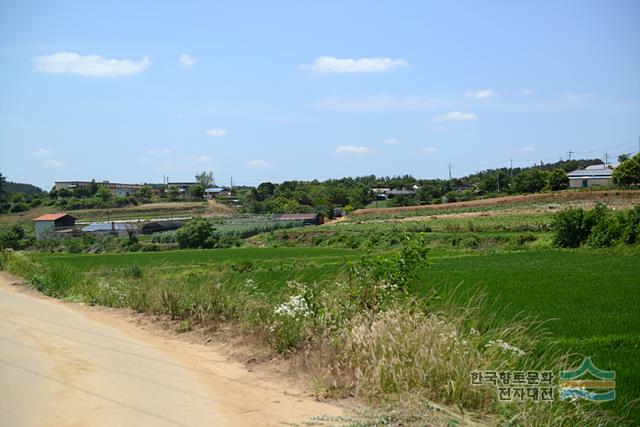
{"x":591,"y":176}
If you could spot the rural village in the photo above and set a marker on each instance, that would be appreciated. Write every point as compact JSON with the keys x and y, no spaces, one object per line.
{"x":320,"y":214}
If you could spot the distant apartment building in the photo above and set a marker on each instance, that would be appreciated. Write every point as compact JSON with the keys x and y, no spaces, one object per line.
{"x":118,"y":189}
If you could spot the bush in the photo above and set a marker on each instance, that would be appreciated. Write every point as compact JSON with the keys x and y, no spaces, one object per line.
{"x":569,"y":228}
{"x":557,"y":179}
{"x":631,"y":228}
{"x":530,"y":181}
{"x":526,"y":238}
{"x":19,"y":207}
{"x":605,"y":232}
{"x":134,"y":271}
{"x":599,"y":227}
{"x":197,"y":233}
{"x":12,"y":239}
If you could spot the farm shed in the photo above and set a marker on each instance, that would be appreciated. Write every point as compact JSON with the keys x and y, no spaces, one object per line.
{"x":597,"y":176}
{"x":159,"y":226}
{"x":115,"y":228}
{"x":217,"y":192}
{"x":306,"y":219}
{"x":182,"y":186}
{"x":52,"y":221}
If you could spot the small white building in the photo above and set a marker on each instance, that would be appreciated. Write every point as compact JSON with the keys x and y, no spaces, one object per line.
{"x":591,"y":176}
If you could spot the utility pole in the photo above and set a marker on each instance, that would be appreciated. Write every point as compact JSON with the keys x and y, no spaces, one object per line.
{"x":606,"y":159}
{"x":498,"y":179}
{"x":450,"y":166}
{"x":570,"y":153}
{"x":511,"y":168}
{"x":232,"y":183}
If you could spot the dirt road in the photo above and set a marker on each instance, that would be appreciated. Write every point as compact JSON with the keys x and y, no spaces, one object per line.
{"x":63,"y":365}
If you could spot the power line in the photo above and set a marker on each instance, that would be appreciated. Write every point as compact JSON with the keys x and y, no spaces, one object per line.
{"x":604,"y":148}
{"x":509,"y":162}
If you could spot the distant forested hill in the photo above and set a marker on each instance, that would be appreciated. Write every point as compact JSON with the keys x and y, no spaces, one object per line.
{"x":17,"y":187}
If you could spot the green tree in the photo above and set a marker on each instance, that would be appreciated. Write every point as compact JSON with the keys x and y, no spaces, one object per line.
{"x":92,"y":188}
{"x":196,"y":233}
{"x":530,"y":181}
{"x":196,"y":191}
{"x":11,"y":238}
{"x":144,"y":193}
{"x":64,"y":193}
{"x":628,"y":172}
{"x":104,"y":194}
{"x":3,"y":180}
{"x":205,"y":179}
{"x":490,"y":181}
{"x":570,"y":228}
{"x":557,"y":179}
{"x":173,"y":192}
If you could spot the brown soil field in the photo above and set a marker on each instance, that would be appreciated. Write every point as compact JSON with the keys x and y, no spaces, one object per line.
{"x":624,"y":197}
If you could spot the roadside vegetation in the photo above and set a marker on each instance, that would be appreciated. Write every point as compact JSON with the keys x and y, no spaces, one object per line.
{"x":378,"y":326}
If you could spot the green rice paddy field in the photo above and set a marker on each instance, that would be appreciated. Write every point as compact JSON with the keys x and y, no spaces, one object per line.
{"x":590,"y":297}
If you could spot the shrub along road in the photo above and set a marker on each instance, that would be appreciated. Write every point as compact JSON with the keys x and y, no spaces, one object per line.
{"x":63,"y":364}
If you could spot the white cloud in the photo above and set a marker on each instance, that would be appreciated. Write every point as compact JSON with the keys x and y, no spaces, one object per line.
{"x":331,"y":64}
{"x":198,"y":159}
{"x":254,"y":164}
{"x":480,"y":94}
{"x":215,"y":133}
{"x":187,"y":61}
{"x":429,"y":149}
{"x":161,"y":152}
{"x":352,"y":149}
{"x":53,"y":164}
{"x":391,"y":141}
{"x":455,"y":116}
{"x":383,"y":102}
{"x":165,"y":166}
{"x":89,"y":65}
{"x":528,"y":92}
{"x":43,"y":152}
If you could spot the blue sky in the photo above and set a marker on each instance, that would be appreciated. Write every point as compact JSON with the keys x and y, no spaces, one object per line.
{"x":132,"y":91}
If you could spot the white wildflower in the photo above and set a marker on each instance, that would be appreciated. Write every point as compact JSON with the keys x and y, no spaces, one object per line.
{"x":250,"y":284}
{"x":296,"y":307}
{"x":505,"y":346}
